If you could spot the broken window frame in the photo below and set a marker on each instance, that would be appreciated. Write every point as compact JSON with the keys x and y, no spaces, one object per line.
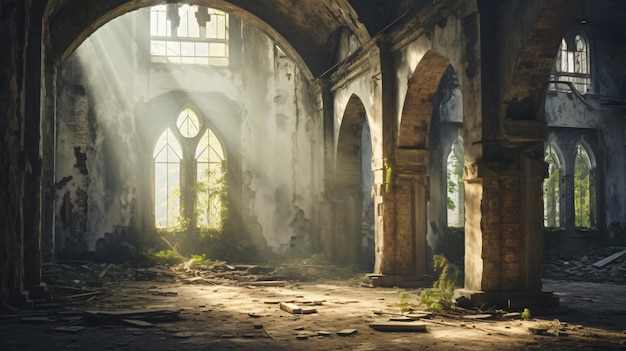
{"x":177,"y":35}
{"x":572,"y":66}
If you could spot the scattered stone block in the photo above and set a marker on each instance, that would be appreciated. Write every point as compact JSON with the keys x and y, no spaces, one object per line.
{"x":347,"y":332}
{"x":290,"y":307}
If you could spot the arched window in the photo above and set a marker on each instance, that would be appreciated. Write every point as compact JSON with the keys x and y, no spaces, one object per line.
{"x":584,"y":189}
{"x":167,"y":159}
{"x":551,"y":190}
{"x":188,"y":123}
{"x":189,"y":186}
{"x":209,"y":181}
{"x":581,"y":63}
{"x":455,"y":188}
{"x":188,"y":34}
{"x":572,"y":65}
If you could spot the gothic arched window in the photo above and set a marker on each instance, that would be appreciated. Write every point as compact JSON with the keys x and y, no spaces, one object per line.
{"x":455,"y":189}
{"x":209,"y":181}
{"x":167,"y":161}
{"x":189,"y":185}
{"x":584,"y":189}
{"x":552,"y":190}
{"x":572,"y":66}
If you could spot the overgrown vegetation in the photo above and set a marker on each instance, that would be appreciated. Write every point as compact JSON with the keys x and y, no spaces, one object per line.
{"x":389,"y":170}
{"x":405,"y":305}
{"x":455,"y":186}
{"x":440,"y":296}
{"x":526,"y":315}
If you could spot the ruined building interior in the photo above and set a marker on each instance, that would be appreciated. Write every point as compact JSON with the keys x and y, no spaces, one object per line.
{"x":372,"y":136}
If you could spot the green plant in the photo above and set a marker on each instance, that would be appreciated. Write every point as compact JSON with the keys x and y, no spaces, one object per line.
{"x":168,"y":257}
{"x":387,"y":164}
{"x":405,"y":306}
{"x":526,"y":314}
{"x":440,"y":296}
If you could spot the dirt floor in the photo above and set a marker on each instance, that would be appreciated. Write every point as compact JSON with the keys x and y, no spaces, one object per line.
{"x":226,"y":309}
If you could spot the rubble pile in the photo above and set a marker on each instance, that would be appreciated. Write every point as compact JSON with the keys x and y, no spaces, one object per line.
{"x":602,"y":265}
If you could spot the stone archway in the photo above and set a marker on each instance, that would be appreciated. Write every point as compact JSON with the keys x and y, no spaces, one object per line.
{"x":353,"y":175}
{"x":407,"y":184}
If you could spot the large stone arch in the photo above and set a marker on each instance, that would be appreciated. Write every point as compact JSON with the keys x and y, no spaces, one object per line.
{"x":302,"y":31}
{"x":406,"y":194}
{"x":345,"y":246}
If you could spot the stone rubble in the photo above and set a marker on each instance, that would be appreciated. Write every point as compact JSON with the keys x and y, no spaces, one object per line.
{"x":581,"y":268}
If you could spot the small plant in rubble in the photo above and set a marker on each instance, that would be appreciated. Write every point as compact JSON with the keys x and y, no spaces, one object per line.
{"x":440,"y":296}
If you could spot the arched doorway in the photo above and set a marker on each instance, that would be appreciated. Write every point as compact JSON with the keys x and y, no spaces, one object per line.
{"x":353,"y":241}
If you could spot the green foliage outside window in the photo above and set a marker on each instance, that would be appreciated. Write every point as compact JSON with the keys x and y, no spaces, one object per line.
{"x":551,"y":190}
{"x":582,"y":195}
{"x":455,"y":190}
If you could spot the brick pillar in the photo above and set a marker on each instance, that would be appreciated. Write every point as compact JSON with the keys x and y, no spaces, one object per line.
{"x":504,"y":234}
{"x":403,"y":252}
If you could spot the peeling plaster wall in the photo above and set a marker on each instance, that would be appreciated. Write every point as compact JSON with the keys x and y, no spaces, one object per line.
{"x":277,"y":132}
{"x":95,"y":114}
{"x":280,"y":132}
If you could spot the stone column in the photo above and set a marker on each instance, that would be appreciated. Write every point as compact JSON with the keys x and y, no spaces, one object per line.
{"x":504,"y":233}
{"x":31,"y":139}
{"x":48,"y":160}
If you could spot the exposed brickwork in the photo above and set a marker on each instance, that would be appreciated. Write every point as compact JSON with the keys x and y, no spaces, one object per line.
{"x":418,"y":106}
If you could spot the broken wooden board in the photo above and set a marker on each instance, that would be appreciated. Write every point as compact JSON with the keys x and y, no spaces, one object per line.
{"x":147,"y":315}
{"x":104,"y":271}
{"x":36,"y":320}
{"x":269,"y":283}
{"x":87,"y":294}
{"x":401,"y":319}
{"x":73,"y":329}
{"x":478,"y":316}
{"x":290,"y":307}
{"x":399,"y":326}
{"x":609,"y":259}
{"x":137,"y":323}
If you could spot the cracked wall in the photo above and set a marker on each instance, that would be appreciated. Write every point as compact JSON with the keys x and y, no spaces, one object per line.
{"x":260,"y":108}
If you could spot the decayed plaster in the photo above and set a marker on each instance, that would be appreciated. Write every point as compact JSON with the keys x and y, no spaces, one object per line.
{"x":275,"y":139}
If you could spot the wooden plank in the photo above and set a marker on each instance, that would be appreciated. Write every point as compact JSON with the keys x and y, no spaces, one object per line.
{"x":137,"y":323}
{"x":149,"y":315}
{"x":478,"y":316}
{"x":73,"y":329}
{"x":83,"y":295}
{"x":399,"y":326}
{"x":290,"y":307}
{"x":609,"y":259}
{"x":270,"y":283}
{"x":104,"y":271}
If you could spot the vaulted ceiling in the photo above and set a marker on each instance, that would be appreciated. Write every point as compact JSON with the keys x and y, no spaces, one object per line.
{"x":305,"y":29}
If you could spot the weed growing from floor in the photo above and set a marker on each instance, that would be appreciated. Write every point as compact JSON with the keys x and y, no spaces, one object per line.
{"x":440,"y":296}
{"x":405,"y":306}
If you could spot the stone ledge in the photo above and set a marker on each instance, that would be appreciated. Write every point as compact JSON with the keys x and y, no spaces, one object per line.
{"x":510,"y":300}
